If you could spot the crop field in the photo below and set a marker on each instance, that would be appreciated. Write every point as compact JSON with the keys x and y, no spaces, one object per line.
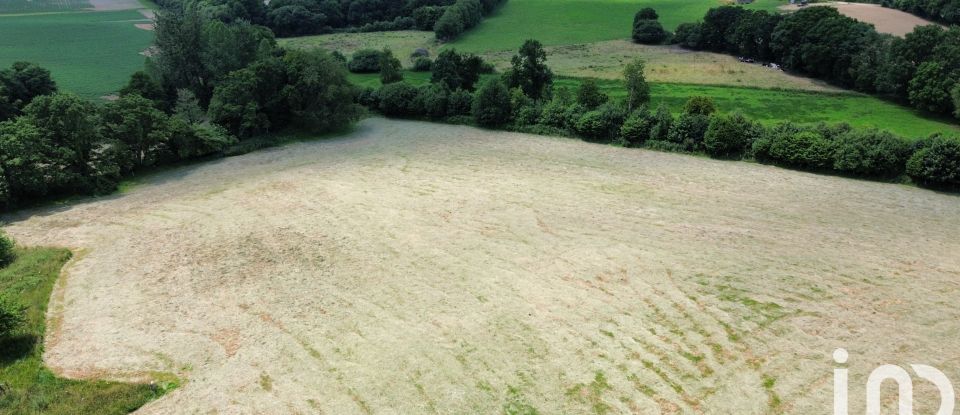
{"x":411,"y":267}
{"x":569,"y":22}
{"x":41,"y":6}
{"x":89,"y":53}
{"x":768,"y":106}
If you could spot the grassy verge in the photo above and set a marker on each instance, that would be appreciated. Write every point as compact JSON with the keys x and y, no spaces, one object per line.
{"x":28,"y":387}
{"x":768,"y":106}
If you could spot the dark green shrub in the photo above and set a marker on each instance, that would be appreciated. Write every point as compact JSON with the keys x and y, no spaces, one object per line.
{"x":661,"y":124}
{"x":649,"y":32}
{"x":689,"y":131}
{"x":460,"y":102}
{"x":689,"y":35}
{"x":369,"y":98}
{"x":6,"y":250}
{"x":422,"y":64}
{"x":936,"y":163}
{"x":636,"y":128}
{"x":572,"y":114}
{"x":589,"y":94}
{"x":790,"y":146}
{"x":390,"y":68}
{"x":646,"y":13}
{"x":491,"y":106}
{"x":397,"y":99}
{"x":432,"y":100}
{"x":365,"y":61}
{"x":11,"y":316}
{"x":871,"y":153}
{"x":699,"y":106}
{"x":426,"y":17}
{"x":730,"y":135}
{"x":554,"y":114}
{"x":591,"y":125}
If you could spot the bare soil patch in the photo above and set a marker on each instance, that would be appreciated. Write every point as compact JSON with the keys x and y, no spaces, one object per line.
{"x":885,"y":20}
{"x":410,"y":267}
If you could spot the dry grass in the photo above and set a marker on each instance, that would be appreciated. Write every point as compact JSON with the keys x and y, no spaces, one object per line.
{"x":885,"y":20}
{"x":600,"y":60}
{"x":421,"y":268}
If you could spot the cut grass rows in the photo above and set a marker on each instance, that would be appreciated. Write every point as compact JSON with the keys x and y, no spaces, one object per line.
{"x":28,"y":387}
{"x":768,"y":106}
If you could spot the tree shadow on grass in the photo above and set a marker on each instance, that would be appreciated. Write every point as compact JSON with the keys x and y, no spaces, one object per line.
{"x":16,"y":347}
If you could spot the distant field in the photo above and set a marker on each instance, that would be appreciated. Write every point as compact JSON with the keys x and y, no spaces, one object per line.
{"x":885,"y":20}
{"x":598,"y":60}
{"x":91,"y":54}
{"x":40,"y":6}
{"x":567,"y":22}
{"x":765,"y":105}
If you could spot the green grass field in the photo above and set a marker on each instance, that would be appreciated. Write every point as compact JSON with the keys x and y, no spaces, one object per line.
{"x":29,"y":387}
{"x":565,"y":22}
{"x":89,"y":53}
{"x":768,"y":106}
{"x":41,"y":6}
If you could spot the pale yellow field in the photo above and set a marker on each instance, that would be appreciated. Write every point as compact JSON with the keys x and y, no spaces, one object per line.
{"x":420,"y":268}
{"x":601,"y":60}
{"x":885,"y":20}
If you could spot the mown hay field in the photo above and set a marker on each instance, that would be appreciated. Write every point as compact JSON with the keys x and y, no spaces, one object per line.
{"x":410,"y":267}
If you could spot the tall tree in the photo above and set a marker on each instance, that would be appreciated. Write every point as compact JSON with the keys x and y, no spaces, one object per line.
{"x":638,"y":91}
{"x":530,"y":72}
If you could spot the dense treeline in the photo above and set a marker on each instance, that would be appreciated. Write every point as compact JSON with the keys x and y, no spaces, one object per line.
{"x":523,"y":99}
{"x":210,"y":86}
{"x":922,"y":68}
{"x":448,"y":18}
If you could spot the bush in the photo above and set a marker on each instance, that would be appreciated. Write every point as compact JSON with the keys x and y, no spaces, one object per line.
{"x":591,"y":125}
{"x":589,"y":94}
{"x":459,"y":103}
{"x":422,"y":64}
{"x":636,"y":128}
{"x":871,"y":153}
{"x":365,"y":61}
{"x":688,"y":35}
{"x":689,"y":131}
{"x":649,"y":32}
{"x":369,"y":98}
{"x":389,"y":68}
{"x":554,"y":114}
{"x":11,"y":316}
{"x":661,"y":124}
{"x":646,"y":13}
{"x":6,"y":250}
{"x":572,"y":114}
{"x":936,"y":163}
{"x":730,"y":135}
{"x":699,"y":106}
{"x":790,"y":146}
{"x":425,"y":18}
{"x":397,"y":99}
{"x":491,"y":106}
{"x":432,"y":100}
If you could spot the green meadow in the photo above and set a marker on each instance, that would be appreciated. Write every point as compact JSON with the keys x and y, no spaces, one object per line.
{"x":89,"y":53}
{"x":768,"y":106}
{"x":41,"y":6}
{"x":567,"y":22}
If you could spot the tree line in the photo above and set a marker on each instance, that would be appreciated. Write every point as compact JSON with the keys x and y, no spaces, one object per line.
{"x":922,"y":68}
{"x":523,"y":99}
{"x":943,"y":11}
{"x":447,"y":18}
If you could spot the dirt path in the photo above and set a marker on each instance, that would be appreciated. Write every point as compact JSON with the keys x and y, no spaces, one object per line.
{"x":885,"y":20}
{"x":421,"y":268}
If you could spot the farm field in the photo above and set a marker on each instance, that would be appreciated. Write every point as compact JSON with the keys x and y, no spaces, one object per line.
{"x":885,"y":20}
{"x":89,"y":53}
{"x":598,"y":60}
{"x":425,"y":268}
{"x":41,"y":6}
{"x":568,"y":22}
{"x":769,"y":106}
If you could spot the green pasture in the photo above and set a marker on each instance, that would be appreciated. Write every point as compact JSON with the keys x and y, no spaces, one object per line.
{"x":89,"y":53}
{"x":768,"y":106}
{"x":566,"y":22}
{"x":41,"y":6}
